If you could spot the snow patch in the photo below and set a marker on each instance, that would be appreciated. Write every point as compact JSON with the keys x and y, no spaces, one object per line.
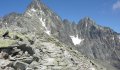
{"x":6,"y":23}
{"x":113,"y":38}
{"x":48,"y":32}
{"x":119,"y":37}
{"x":41,"y":12}
{"x":76,"y":40}
{"x":86,"y":24}
{"x":33,"y":10}
{"x":43,"y":24}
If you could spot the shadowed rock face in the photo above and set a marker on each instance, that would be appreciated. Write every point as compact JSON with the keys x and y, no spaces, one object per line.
{"x":98,"y":43}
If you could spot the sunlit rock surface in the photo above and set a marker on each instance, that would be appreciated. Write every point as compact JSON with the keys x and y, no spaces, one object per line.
{"x":39,"y":39}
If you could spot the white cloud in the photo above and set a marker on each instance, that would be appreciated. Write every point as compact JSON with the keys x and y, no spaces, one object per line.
{"x":116,"y":6}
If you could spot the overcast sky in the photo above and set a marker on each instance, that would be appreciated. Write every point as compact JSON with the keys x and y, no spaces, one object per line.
{"x":104,"y":12}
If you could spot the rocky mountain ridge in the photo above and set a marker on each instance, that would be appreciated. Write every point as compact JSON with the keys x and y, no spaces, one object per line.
{"x":38,"y":24}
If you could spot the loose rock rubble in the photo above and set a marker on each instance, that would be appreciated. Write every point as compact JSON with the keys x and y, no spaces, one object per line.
{"x":14,"y":58}
{"x":45,"y":54}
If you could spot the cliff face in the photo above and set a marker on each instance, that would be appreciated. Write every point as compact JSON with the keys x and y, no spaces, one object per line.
{"x":42,"y":30}
{"x":97,"y":42}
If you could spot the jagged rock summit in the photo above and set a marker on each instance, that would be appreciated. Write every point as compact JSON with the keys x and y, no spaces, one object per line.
{"x":39,"y":39}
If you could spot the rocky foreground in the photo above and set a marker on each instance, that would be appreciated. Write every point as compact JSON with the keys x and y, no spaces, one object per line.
{"x":30,"y":51}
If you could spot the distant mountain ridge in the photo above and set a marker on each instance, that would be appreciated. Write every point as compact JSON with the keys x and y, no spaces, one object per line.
{"x":98,"y":43}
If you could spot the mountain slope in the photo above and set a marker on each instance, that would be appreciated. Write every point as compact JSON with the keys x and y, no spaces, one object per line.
{"x":97,"y":42}
{"x":38,"y":24}
{"x":40,"y":52}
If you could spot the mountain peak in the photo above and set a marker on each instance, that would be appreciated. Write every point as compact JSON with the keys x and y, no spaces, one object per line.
{"x":35,"y":4}
{"x":86,"y":22}
{"x":35,"y":7}
{"x":36,"y":0}
{"x":87,"y":18}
